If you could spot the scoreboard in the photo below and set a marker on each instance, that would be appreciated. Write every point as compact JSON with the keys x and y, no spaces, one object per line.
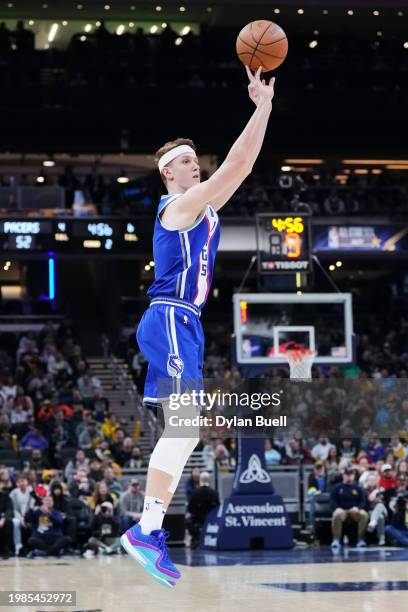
{"x":72,"y":236}
{"x":283,"y":243}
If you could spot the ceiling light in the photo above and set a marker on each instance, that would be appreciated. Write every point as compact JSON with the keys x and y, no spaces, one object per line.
{"x":147,"y":267}
{"x":325,"y":12}
{"x":65,"y":23}
{"x":53,"y":32}
{"x":316,"y":32}
{"x":379,"y":33}
{"x":122,"y":178}
{"x":376,"y":13}
{"x":131,"y":24}
{"x":400,"y":14}
{"x":98,"y":24}
{"x":158,"y":8}
{"x":48,"y":163}
{"x":286,"y":168}
{"x":82,"y":38}
{"x":350,"y":12}
{"x":339,"y":264}
{"x":276,"y":11}
{"x":332,"y":268}
{"x":178,"y":41}
{"x":40,"y":178}
{"x":313,"y":44}
{"x":185,"y":30}
{"x":182,"y":9}
{"x":80,"y":7}
{"x":300,"y":11}
{"x":120,"y":29}
{"x":107,"y":7}
{"x":405,"y":45}
{"x":164,"y":24}
{"x":153,"y":29}
{"x":88,"y":27}
{"x":10,"y":5}
{"x":45,"y":6}
{"x":31,"y":22}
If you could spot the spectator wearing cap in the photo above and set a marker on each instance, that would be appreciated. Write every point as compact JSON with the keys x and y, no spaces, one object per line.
{"x":388,"y":479}
{"x":131,"y":505}
{"x":398,"y":528}
{"x":348,"y":501}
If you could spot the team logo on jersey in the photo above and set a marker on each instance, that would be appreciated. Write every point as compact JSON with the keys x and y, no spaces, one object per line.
{"x":185,"y":319}
{"x":254,"y":472}
{"x":175,"y":365}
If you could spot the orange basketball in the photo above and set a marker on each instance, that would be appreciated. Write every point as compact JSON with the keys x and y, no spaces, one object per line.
{"x":262,"y":43}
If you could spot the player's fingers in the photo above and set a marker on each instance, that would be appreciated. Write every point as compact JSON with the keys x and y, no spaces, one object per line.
{"x":249,"y":73}
{"x":258,"y":73}
{"x":272,"y":82}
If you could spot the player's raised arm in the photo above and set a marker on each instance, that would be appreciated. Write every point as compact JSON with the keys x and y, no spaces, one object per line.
{"x":235,"y":168}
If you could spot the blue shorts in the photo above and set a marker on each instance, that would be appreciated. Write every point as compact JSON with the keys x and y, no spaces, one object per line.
{"x":170,"y":336}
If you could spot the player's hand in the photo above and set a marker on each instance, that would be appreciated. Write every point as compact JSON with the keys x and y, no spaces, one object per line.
{"x":258,"y":90}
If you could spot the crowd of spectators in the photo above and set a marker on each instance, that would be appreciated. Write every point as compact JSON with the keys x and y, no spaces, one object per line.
{"x":65,"y":450}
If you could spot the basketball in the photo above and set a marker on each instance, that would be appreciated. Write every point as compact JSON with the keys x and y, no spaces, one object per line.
{"x":262,"y":43}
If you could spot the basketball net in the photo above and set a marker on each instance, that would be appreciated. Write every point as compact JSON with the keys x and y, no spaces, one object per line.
{"x":300,"y":363}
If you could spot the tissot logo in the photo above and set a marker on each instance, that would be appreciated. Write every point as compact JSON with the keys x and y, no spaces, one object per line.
{"x":254,"y":472}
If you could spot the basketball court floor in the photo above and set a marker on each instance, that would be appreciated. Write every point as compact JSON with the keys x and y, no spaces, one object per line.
{"x":370,"y":580}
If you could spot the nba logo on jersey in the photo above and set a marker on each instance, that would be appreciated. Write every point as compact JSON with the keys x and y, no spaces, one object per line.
{"x":175,"y":365}
{"x":185,"y":319}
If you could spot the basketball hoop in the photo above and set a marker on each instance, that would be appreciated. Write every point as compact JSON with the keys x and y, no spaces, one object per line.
{"x":300,"y":362}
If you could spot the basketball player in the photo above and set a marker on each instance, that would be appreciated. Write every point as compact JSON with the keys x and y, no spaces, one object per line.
{"x":185,"y":241}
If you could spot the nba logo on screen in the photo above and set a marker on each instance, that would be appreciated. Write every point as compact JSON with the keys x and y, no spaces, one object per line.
{"x":175,"y":365}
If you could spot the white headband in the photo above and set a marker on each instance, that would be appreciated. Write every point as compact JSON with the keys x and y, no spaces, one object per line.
{"x":173,"y":153}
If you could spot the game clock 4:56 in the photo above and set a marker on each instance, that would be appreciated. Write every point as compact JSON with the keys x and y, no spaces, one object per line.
{"x":283,"y":243}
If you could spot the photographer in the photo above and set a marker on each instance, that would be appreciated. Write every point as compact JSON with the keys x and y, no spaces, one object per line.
{"x":398,"y":529}
{"x":105,"y":532}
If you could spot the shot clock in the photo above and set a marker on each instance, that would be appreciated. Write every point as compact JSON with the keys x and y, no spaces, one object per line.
{"x":283,"y":243}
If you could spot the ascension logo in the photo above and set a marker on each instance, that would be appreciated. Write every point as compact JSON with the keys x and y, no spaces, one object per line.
{"x":254,"y":472}
{"x":175,"y":365}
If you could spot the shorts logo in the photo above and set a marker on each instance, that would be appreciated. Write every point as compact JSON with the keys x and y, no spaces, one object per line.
{"x":175,"y":365}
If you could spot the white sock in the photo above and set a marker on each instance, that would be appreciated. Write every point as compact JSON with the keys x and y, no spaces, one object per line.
{"x":153,"y":514}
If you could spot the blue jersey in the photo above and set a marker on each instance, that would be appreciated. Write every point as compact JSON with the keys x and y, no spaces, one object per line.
{"x":184,"y":260}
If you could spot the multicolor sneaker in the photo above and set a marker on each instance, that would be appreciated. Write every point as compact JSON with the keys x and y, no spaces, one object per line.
{"x":151,"y":552}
